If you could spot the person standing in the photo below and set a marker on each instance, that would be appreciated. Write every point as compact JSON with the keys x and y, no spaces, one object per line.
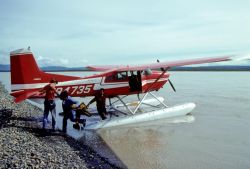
{"x":100,"y":100}
{"x":68,"y":105}
{"x":49,"y":103}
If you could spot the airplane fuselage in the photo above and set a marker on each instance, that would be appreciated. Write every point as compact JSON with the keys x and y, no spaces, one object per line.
{"x":113,"y":85}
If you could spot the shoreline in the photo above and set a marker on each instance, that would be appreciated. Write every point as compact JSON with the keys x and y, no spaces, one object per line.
{"x":23,"y":144}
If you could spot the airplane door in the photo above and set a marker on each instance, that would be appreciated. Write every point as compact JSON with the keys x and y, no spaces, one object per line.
{"x":135,"y":81}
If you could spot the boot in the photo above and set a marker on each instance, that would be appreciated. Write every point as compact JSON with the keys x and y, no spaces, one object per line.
{"x":76,"y":126}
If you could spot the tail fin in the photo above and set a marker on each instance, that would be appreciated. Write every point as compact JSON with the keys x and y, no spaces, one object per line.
{"x":25,"y":71}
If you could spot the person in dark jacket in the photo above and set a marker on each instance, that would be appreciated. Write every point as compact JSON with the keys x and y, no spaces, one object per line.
{"x":72,"y":111}
{"x":100,"y":100}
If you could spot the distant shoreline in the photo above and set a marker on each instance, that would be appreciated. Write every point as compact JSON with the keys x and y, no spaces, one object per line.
{"x":186,"y":70}
{"x":6,"y":68}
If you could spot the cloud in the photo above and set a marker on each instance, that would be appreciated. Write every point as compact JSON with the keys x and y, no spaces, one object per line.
{"x":84,"y":32}
{"x":47,"y":61}
{"x":64,"y":61}
{"x":4,"y":57}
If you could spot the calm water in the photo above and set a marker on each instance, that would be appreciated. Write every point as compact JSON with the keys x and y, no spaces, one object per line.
{"x":216,"y":136}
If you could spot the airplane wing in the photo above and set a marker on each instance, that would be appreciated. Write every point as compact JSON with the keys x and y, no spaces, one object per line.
{"x":102,"y":68}
{"x":26,"y":95}
{"x":168,"y":64}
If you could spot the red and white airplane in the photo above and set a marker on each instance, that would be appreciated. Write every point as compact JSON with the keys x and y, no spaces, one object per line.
{"x":27,"y":79}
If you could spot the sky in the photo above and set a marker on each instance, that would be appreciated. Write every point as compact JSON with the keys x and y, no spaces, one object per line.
{"x":81,"y":33}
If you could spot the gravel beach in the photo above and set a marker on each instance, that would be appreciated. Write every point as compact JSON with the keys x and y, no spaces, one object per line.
{"x":24,"y":145}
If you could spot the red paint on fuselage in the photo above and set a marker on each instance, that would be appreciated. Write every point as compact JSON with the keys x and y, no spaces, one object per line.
{"x":26,"y":77}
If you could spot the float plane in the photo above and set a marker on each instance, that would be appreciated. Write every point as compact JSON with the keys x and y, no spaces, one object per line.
{"x":27,"y":79}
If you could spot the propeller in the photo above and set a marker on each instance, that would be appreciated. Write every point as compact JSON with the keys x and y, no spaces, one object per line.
{"x":171,"y":84}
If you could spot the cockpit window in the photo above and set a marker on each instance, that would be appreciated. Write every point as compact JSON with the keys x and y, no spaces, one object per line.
{"x":122,"y":75}
{"x":119,"y":76}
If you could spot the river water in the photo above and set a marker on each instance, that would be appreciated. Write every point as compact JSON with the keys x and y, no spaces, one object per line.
{"x":216,"y":135}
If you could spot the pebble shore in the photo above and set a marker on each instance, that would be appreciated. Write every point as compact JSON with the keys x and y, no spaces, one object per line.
{"x":23,"y":144}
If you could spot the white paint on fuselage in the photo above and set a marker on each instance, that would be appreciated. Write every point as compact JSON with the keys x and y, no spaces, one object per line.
{"x":65,"y":83}
{"x":27,"y":86}
{"x":144,"y":82}
{"x":98,"y":84}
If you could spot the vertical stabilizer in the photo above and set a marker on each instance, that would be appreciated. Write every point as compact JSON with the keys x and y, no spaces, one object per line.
{"x":25,"y":72}
{"x":24,"y":69}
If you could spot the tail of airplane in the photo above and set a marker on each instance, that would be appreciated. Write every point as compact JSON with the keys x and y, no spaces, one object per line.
{"x":26,"y":75}
{"x":24,"y":69}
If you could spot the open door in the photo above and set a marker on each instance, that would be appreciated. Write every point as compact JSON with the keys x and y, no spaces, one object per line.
{"x":135,"y":81}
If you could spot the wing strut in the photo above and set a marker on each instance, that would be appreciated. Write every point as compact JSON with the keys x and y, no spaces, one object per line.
{"x":156,"y":80}
{"x":125,"y":105}
{"x":141,"y":101}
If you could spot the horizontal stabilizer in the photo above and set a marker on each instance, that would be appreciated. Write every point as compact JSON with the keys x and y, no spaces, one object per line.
{"x":26,"y":95}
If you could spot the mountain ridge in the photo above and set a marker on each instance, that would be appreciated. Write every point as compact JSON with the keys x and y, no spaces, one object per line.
{"x":6,"y":68}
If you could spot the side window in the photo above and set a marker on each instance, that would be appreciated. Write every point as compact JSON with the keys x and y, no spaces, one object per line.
{"x":110,"y":78}
{"x":122,"y":76}
{"x":117,"y":77}
{"x":130,"y":73}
